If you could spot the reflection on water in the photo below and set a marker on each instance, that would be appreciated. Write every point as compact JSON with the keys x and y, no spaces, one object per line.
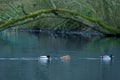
{"x":20,"y":51}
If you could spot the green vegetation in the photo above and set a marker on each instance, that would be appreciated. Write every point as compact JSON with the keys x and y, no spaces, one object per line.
{"x":102,"y":16}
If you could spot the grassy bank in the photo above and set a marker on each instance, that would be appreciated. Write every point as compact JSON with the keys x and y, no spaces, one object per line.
{"x":102,"y":12}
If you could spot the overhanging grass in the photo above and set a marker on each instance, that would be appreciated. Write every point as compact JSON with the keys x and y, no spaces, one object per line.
{"x":7,"y":24}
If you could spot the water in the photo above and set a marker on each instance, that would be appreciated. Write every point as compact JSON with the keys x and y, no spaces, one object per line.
{"x":20,"y":51}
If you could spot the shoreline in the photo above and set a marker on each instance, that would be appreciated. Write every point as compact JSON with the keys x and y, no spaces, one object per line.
{"x":84,"y":33}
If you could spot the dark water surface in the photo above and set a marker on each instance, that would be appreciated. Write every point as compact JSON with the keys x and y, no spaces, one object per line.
{"x":20,"y":51}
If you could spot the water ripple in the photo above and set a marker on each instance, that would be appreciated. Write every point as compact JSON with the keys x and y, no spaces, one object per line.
{"x":21,"y":58}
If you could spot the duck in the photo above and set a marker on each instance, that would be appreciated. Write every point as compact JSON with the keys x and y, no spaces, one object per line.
{"x":106,"y":57}
{"x":66,"y":57}
{"x":44,"y":59}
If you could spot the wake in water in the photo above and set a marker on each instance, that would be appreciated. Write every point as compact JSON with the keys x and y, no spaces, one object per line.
{"x":64,"y":58}
{"x":87,"y":58}
{"x":37,"y":58}
{"x":21,"y":58}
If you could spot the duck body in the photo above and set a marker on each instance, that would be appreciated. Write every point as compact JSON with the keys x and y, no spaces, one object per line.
{"x":44,"y":59}
{"x":106,"y":58}
{"x":66,"y":57}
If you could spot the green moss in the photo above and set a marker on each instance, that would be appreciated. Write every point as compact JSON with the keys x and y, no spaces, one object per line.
{"x":7,"y":24}
{"x":113,"y":30}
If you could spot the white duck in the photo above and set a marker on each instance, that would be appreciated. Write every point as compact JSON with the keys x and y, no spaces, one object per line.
{"x":44,"y":59}
{"x":106,"y":57}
